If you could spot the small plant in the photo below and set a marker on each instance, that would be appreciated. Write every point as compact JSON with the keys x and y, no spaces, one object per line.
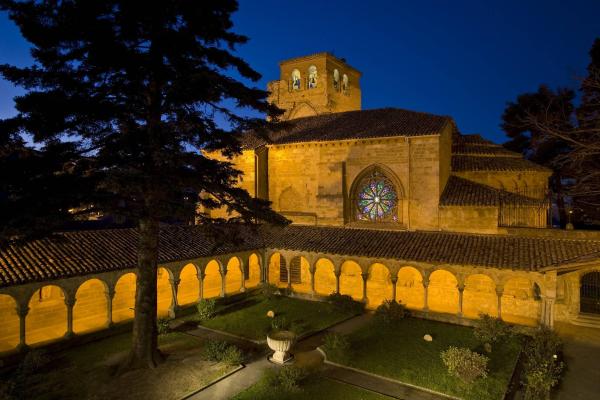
{"x":279,"y":323}
{"x":345,"y":304}
{"x":206,"y":309}
{"x":337,"y":347}
{"x":542,"y":368}
{"x":390,"y":312}
{"x":465,"y":364}
{"x":289,"y":378}
{"x":214,"y":349}
{"x":232,"y":356}
{"x":269,"y":291}
{"x":162,"y":325}
{"x":34,"y":361}
{"x":490,"y":330}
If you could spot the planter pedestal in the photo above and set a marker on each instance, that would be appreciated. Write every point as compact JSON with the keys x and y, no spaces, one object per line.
{"x":281,"y":343}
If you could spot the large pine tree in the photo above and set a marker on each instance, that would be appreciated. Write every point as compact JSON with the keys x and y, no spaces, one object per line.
{"x":120,"y":101}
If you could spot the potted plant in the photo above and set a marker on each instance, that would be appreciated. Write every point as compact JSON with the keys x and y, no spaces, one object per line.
{"x":280,"y":340}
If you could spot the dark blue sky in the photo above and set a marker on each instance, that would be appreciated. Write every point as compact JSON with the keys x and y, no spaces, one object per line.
{"x":465,"y":59}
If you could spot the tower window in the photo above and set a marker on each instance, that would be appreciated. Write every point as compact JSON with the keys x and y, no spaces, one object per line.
{"x":296,"y":81}
{"x":336,"y":79}
{"x":345,"y":83}
{"x":312,"y":77}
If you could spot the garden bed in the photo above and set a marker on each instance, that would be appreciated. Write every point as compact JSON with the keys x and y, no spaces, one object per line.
{"x":249,"y":319}
{"x":399,"y":352}
{"x":89,"y":371}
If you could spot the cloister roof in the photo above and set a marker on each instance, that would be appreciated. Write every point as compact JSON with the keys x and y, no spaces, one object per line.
{"x":86,"y":252}
{"x":463,"y":192}
{"x":362,"y":124}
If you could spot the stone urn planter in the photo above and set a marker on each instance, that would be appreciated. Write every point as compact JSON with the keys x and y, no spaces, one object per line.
{"x":281,"y":343}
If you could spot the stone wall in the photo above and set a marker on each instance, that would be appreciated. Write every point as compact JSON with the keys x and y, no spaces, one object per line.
{"x":469,"y":219}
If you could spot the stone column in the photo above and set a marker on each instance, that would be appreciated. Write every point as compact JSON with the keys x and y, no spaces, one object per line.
{"x":426,"y":294}
{"x":365,"y":277}
{"x":499,"y":293}
{"x":174,"y":288}
{"x":70,"y":303}
{"x":22,"y":311}
{"x":289,"y":277}
{"x":337,"y":274}
{"x":200,"y":285}
{"x":223,"y":282}
{"x":244,"y":277}
{"x":461,"y":289}
{"x":394,"y":284}
{"x":312,"y":281}
{"x":110,"y":295}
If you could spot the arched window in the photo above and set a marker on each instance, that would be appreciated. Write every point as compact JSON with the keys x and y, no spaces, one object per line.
{"x":376,"y":198}
{"x":589,"y":293}
{"x":336,"y":79}
{"x":312,"y":77}
{"x":296,"y":81}
{"x":344,"y":83}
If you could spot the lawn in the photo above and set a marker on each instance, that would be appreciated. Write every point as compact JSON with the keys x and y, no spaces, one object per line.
{"x":399,"y":352}
{"x":314,"y":388}
{"x":249,"y":319}
{"x":89,"y":372}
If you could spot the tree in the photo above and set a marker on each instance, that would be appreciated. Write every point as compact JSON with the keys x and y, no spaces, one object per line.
{"x":581,"y":136}
{"x":131,"y":93}
{"x":551,"y":107}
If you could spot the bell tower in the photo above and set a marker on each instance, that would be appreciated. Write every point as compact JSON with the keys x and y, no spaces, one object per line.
{"x":317,"y":84}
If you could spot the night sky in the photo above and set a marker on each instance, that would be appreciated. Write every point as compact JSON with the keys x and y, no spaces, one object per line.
{"x":465,"y":59}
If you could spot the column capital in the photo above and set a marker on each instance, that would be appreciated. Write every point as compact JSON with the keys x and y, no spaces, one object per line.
{"x":174,"y":282}
{"x":394,"y":280}
{"x":460,"y":287}
{"x":70,"y":301}
{"x":499,"y":290}
{"x":365,"y":276}
{"x":110,"y":292}
{"x":425,"y":281}
{"x":22,"y":311}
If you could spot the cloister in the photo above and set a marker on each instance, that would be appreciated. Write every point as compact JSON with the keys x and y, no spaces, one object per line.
{"x":53,"y":290}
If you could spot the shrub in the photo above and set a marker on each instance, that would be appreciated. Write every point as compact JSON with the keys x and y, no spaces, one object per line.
{"x":279,"y":323}
{"x":390,"y":312}
{"x":162,"y":325}
{"x":489,"y":330}
{"x":206,"y":309}
{"x":232,"y":356}
{"x":289,"y":377}
{"x":345,"y":304}
{"x":542,"y":368}
{"x":214,"y":349}
{"x":465,"y":364}
{"x":34,"y":361}
{"x":337,"y":347}
{"x":269,"y":291}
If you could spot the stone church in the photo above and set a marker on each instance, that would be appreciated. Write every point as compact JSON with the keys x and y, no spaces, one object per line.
{"x":386,"y":204}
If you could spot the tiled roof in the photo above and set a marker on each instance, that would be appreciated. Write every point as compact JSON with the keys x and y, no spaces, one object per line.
{"x":84,"y":252}
{"x":495,"y":251}
{"x":474,"y":153}
{"x":476,"y":163}
{"x":87,"y":252}
{"x":463,"y":192}
{"x":363,"y":124}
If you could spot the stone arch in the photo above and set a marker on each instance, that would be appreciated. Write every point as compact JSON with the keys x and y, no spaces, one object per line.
{"x":518,"y":303}
{"x":589,"y":292}
{"x":345,"y":83}
{"x":47,"y":317}
{"x":164,"y":292}
{"x":234,"y":277}
{"x":277,"y":271}
{"x":409,"y":288}
{"x":479,"y":296}
{"x":325,"y":280}
{"x":376,"y":171}
{"x":9,"y":328}
{"x":188,"y":291}
{"x":351,"y":281}
{"x":252,"y":273}
{"x":212,"y":279}
{"x":379,"y":285}
{"x":442,"y":292}
{"x":336,"y":79}
{"x":296,"y":80}
{"x":312,"y":77}
{"x":300,"y":274}
{"x":302,"y":110}
{"x":90,"y":312}
{"x":124,"y":300}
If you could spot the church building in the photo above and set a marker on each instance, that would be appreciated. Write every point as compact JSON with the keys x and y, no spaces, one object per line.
{"x":385,"y":204}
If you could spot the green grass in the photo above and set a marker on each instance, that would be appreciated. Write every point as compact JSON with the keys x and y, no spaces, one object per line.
{"x":250,"y":318}
{"x":314,"y":388}
{"x":399,"y":352}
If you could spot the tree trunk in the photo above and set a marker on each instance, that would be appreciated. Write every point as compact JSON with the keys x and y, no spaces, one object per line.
{"x":144,"y":350}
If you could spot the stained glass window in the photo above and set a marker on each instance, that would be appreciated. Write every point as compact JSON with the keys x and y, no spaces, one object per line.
{"x":376,"y":199}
